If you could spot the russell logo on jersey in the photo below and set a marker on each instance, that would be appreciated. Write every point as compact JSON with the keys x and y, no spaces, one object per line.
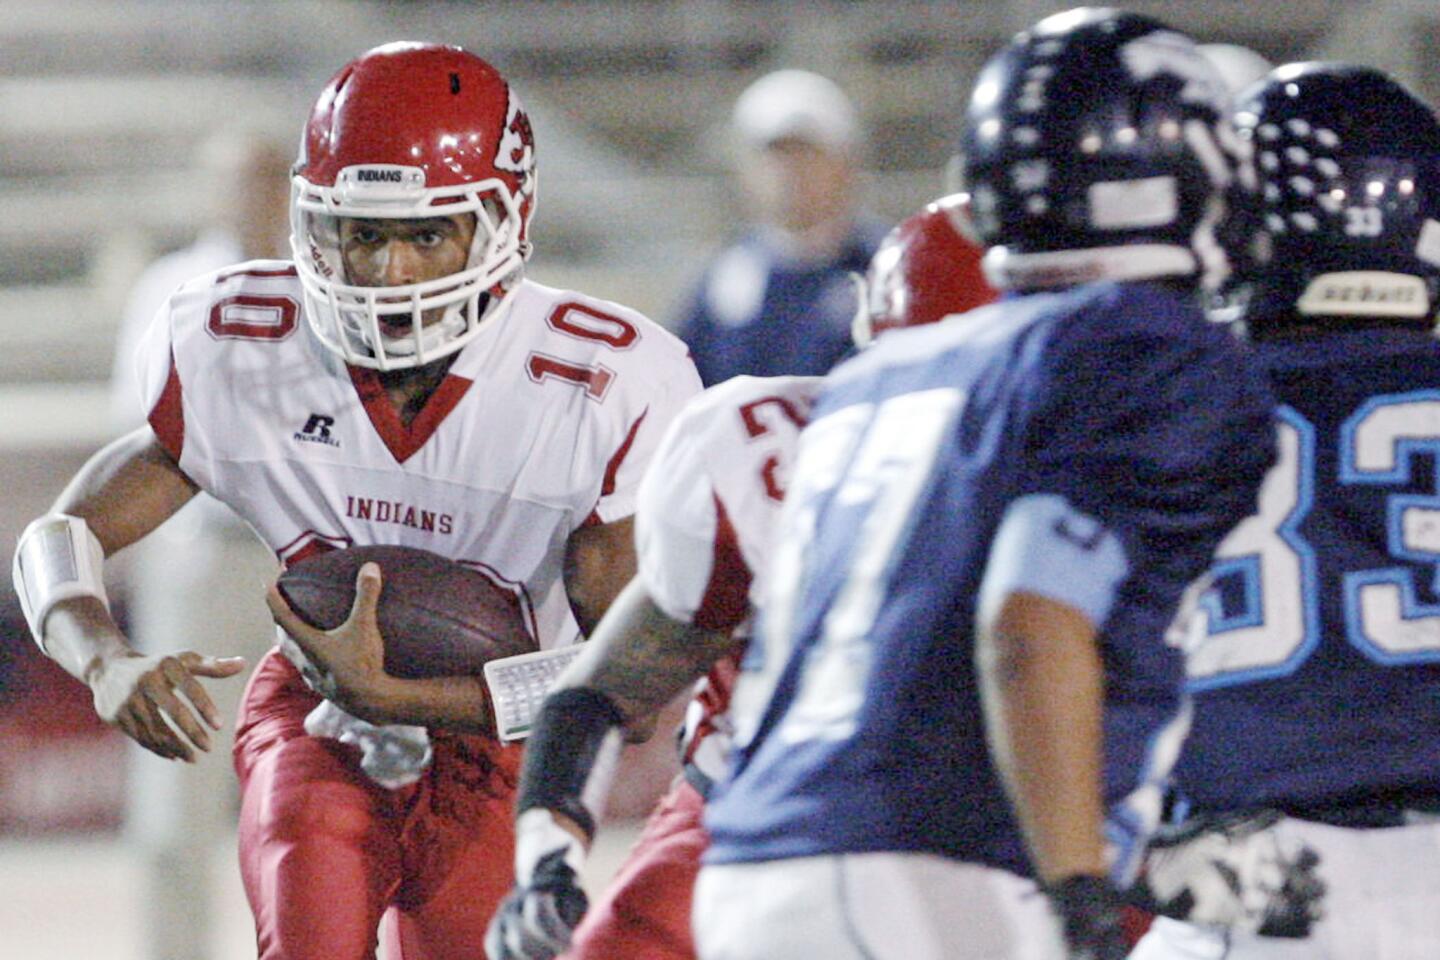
{"x":317,"y":430}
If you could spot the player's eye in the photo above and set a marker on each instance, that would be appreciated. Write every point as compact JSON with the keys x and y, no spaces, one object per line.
{"x":429,"y":239}
{"x":366,"y":236}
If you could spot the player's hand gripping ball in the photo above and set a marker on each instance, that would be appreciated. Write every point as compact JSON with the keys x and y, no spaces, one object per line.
{"x":437,"y":617}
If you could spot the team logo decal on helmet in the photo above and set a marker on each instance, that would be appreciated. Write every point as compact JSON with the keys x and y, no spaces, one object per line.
{"x":516,"y":152}
{"x":1166,"y":51}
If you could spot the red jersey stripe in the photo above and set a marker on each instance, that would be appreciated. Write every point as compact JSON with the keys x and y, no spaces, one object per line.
{"x":167,"y":417}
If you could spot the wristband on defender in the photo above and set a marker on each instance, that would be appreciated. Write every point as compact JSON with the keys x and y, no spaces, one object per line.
{"x":569,"y":731}
{"x":57,"y":558}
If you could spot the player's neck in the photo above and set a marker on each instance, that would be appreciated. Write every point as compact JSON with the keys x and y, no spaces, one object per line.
{"x":408,"y":390}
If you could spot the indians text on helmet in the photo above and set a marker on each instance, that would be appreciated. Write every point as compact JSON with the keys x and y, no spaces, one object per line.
{"x":376,"y":175}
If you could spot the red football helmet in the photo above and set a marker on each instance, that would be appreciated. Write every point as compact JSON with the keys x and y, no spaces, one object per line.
{"x":926,"y":268}
{"x":412,"y":131}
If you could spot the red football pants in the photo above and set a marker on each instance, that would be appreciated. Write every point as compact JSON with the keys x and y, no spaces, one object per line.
{"x":645,"y":912}
{"x":325,"y":851}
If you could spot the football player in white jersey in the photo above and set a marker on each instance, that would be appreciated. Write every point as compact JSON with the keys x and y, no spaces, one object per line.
{"x":707,"y":505}
{"x":400,"y":382}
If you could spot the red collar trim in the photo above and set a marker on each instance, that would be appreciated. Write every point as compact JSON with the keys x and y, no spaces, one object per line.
{"x":403,"y":441}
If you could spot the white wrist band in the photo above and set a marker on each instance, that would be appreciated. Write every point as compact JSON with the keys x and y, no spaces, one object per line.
{"x":57,"y":558}
{"x":537,"y":835}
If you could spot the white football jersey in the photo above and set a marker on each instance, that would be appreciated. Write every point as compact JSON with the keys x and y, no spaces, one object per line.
{"x":543,"y":423}
{"x":708,"y":503}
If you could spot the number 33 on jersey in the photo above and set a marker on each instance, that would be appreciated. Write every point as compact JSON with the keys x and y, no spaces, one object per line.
{"x":1326,"y":599}
{"x":1261,"y":613}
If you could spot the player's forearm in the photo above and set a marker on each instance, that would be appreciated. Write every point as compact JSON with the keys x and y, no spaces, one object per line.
{"x":641,"y":658}
{"x":452,"y":703}
{"x":1042,"y":686}
{"x":122,"y":493}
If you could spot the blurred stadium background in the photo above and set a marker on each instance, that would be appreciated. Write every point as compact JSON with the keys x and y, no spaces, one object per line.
{"x":103,"y":105}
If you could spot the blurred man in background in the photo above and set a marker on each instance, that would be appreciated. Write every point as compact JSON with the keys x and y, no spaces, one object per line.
{"x":245,"y":174}
{"x":201,"y":571}
{"x":778,"y":300}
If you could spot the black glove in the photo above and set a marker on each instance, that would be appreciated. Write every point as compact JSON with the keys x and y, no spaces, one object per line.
{"x":537,"y":918}
{"x":1089,"y":911}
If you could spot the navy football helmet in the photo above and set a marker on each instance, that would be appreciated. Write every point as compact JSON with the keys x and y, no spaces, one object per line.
{"x":1349,"y":206}
{"x":1097,"y":144}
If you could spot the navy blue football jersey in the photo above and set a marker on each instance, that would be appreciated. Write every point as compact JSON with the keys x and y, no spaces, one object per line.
{"x":1314,"y":656}
{"x":1123,"y":435}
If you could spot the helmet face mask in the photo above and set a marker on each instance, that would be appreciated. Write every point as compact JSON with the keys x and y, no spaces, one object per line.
{"x":411,"y":132}
{"x":1097,"y":145}
{"x":443,"y":313}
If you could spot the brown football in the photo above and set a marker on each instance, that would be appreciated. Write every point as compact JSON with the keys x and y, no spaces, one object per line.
{"x":438,"y":617}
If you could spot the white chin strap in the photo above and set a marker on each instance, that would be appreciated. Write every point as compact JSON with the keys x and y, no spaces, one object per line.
{"x":57,"y":559}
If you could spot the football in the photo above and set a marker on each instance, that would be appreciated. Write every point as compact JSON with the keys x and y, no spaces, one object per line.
{"x":438,"y":617}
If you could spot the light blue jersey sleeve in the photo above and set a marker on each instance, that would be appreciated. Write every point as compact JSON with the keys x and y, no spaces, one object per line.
{"x":1045,"y":546}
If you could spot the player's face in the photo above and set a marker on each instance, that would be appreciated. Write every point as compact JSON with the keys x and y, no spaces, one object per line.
{"x":392,"y":253}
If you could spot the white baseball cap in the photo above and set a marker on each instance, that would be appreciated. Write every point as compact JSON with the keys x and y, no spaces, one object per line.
{"x":799,"y":104}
